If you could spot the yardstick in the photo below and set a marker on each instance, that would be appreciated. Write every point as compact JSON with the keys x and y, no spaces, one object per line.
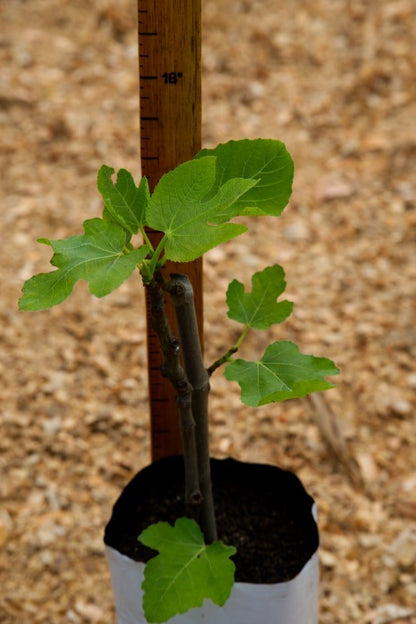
{"x":170,"y":133}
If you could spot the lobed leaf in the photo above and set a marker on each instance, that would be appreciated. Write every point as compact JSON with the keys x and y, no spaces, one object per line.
{"x":185,"y":572}
{"x":125,"y":203}
{"x":282,"y":373}
{"x":265,"y":160}
{"x":99,"y":257}
{"x":192,"y":222}
{"x":259,"y":308}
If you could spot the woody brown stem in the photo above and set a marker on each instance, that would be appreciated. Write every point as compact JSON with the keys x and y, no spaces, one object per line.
{"x":180,"y":290}
{"x":172,"y":369}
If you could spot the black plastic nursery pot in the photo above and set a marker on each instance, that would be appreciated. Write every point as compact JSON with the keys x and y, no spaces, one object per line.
{"x":262,"y":510}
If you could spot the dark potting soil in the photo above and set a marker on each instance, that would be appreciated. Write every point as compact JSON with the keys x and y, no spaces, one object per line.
{"x":261,"y":510}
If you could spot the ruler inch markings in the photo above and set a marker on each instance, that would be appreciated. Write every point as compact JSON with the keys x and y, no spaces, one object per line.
{"x":170,"y":87}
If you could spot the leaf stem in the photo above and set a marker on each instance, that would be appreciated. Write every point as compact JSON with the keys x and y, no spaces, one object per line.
{"x":146,"y":239}
{"x":156,"y":255}
{"x":227,"y":355}
{"x":243,"y":335}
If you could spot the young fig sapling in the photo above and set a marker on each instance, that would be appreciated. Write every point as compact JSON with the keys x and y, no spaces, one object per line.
{"x":196,"y":208}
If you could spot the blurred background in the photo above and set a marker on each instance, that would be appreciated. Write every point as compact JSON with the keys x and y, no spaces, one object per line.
{"x":336,"y":81}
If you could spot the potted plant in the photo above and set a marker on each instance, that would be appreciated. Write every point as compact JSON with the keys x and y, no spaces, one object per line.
{"x":185,"y":529}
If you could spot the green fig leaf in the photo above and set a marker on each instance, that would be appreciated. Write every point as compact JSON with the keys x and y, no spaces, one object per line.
{"x":282,"y":373}
{"x":185,"y":572}
{"x":99,"y":257}
{"x":124,"y":203}
{"x":265,"y":160}
{"x":259,"y":308}
{"x":192,"y":218}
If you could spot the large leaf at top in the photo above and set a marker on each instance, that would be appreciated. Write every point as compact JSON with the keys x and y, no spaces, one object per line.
{"x":185,"y":572}
{"x":191,"y":216}
{"x":282,"y":373}
{"x":124,"y":202}
{"x":265,"y":160}
{"x":259,"y":308}
{"x":99,"y":257}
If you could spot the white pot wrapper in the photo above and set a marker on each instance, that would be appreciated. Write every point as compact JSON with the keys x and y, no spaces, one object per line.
{"x":289,"y":602}
{"x":292,"y":602}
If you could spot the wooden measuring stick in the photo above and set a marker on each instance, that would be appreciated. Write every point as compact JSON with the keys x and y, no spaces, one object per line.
{"x":170,"y":116}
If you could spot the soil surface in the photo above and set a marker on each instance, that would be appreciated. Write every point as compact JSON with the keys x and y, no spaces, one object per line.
{"x":260,"y":509}
{"x":336,"y":81}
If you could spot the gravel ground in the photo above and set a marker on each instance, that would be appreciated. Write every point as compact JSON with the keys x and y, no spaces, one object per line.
{"x":336,"y":81}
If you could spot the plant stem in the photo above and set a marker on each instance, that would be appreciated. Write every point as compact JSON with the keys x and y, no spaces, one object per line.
{"x":146,"y":239}
{"x":181,"y":293}
{"x":172,"y":369}
{"x":222,"y":360}
{"x":243,"y":335}
{"x":227,"y":356}
{"x":156,"y":255}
